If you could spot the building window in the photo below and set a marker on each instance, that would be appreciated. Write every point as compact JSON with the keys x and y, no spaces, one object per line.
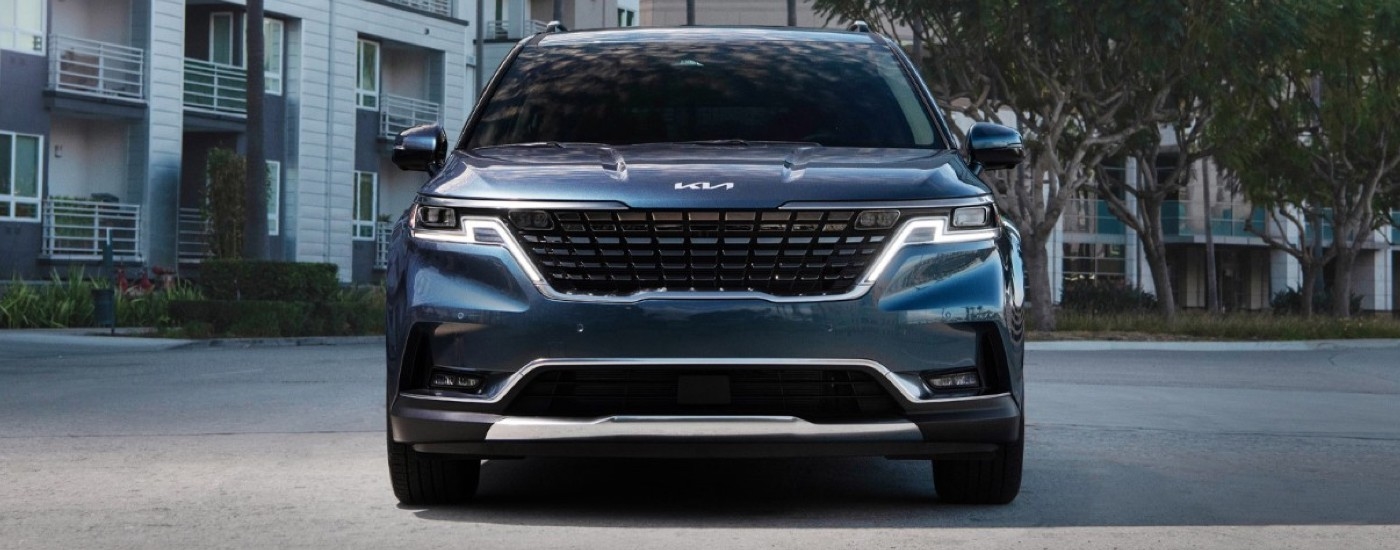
{"x":1094,"y":261}
{"x":273,"y":33}
{"x":20,"y":186}
{"x":626,"y":17}
{"x":366,"y":204}
{"x":274,"y":197}
{"x":22,"y":25}
{"x":221,"y":38}
{"x":367,"y":77}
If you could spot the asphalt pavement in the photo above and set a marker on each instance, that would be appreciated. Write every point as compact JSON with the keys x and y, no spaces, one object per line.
{"x":171,"y":444}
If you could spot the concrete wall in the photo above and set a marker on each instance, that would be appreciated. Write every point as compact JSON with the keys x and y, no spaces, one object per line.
{"x":667,"y":13}
{"x":88,"y":156}
{"x":22,"y":79}
{"x":102,"y":20}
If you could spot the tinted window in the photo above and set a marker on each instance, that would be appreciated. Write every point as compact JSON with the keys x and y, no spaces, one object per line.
{"x":836,"y":94}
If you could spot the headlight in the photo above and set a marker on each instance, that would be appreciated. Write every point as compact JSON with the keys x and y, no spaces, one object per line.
{"x":971,"y":217}
{"x":430,"y":223}
{"x":436,"y":217}
{"x":936,"y":230}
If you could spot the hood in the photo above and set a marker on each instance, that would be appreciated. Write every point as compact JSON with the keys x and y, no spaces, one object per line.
{"x":682,"y":175}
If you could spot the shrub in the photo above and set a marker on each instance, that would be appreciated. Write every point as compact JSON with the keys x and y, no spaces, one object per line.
{"x":264,"y":318}
{"x":1104,"y":296}
{"x":257,"y":280}
{"x":223,"y":206}
{"x":1290,"y":301}
{"x":59,"y":303}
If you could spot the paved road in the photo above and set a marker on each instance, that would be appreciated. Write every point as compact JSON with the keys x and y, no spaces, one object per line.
{"x":282,"y":447}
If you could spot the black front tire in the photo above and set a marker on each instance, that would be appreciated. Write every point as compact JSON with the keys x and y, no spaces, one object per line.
{"x":995,"y":481}
{"x":427,"y":479}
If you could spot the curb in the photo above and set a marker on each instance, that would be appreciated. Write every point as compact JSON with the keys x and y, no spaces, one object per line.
{"x":283,"y":342}
{"x":1286,"y":345}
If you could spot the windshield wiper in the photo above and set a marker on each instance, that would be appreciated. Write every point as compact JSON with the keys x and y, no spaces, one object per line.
{"x":745,"y":143}
{"x":550,"y":144}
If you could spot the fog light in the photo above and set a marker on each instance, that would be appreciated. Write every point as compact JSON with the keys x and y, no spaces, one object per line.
{"x":877,"y":219}
{"x":447,"y":380}
{"x":965,"y":380}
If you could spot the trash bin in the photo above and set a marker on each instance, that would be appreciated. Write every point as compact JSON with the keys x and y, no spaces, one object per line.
{"x":104,"y":307}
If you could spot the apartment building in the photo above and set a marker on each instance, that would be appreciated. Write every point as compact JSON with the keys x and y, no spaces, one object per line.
{"x":506,"y":22}
{"x":108,"y":109}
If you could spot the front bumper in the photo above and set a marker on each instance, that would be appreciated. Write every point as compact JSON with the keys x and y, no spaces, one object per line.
{"x":471,"y":307}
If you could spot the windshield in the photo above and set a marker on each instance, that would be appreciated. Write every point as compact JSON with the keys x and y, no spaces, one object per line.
{"x":834,"y":94}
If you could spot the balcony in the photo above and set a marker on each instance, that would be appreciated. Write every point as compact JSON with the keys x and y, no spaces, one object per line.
{"x":89,"y":67}
{"x":503,"y":29}
{"x":1228,"y":225}
{"x":216,"y":88}
{"x":1091,"y":217}
{"x":382,"y":231}
{"x":440,"y":7}
{"x":193,"y":236}
{"x":398,"y":113}
{"x":76,"y":230}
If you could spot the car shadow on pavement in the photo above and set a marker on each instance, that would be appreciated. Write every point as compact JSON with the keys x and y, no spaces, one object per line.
{"x":1130,"y":479}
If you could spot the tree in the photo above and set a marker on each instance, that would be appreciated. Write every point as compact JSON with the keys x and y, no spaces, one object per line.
{"x":1190,"y":60}
{"x":223,"y":202}
{"x":1062,"y":71}
{"x":1314,"y":135}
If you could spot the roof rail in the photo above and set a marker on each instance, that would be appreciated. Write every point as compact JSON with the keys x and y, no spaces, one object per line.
{"x":555,"y":26}
{"x":858,"y":26}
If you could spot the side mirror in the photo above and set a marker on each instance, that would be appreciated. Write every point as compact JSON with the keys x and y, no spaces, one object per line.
{"x":994,"y":147}
{"x":421,"y":148}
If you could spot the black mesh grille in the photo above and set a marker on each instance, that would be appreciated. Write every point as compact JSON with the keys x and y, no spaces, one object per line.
{"x":809,"y":394}
{"x":783,"y":253}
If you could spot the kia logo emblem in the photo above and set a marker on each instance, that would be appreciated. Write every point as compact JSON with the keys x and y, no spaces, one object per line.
{"x":704,"y":186}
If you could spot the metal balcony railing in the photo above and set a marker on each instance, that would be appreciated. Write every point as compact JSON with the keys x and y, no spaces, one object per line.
{"x":1090,"y":217}
{"x":193,"y":236}
{"x":398,"y":113}
{"x":215,"y":87}
{"x":440,"y":7}
{"x":76,"y":230}
{"x":382,"y":231}
{"x":90,"y":67}
{"x":507,"y":29}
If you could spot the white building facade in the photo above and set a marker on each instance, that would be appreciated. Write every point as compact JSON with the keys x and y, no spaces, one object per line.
{"x":108,"y":109}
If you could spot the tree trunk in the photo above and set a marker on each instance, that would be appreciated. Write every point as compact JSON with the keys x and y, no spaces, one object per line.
{"x":1341,"y":282}
{"x":1310,"y":273}
{"x":255,"y":225}
{"x":1154,"y":245}
{"x":1212,"y":292}
{"x":1038,"y":288}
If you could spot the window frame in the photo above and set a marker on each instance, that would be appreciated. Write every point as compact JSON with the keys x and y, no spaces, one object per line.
{"x":10,"y":34}
{"x":361,"y":229}
{"x":362,"y":94}
{"x":9,"y":199}
{"x":232,"y":39}
{"x":274,"y":197}
{"x":272,"y":76}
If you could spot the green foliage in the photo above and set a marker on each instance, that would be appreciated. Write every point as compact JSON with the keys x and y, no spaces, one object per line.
{"x":272,"y":319}
{"x":1104,"y":296}
{"x":1290,"y":301}
{"x":64,"y":302}
{"x":61,"y":302}
{"x":259,"y":280}
{"x":224,"y":203}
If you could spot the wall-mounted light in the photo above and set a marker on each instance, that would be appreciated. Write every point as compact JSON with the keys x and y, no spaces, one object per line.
{"x":58,"y":150}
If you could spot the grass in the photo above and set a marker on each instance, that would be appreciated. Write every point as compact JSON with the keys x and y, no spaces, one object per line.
{"x":1195,"y":325}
